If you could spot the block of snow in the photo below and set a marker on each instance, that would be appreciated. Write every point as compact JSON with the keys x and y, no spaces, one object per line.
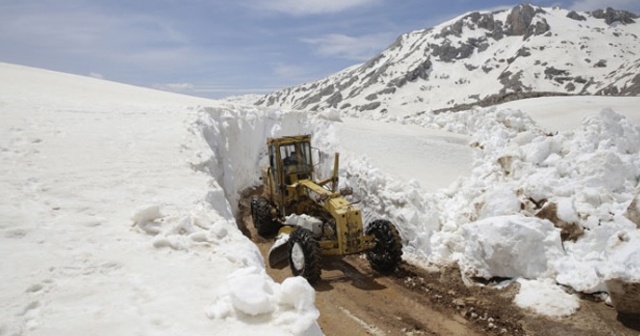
{"x":145,"y":218}
{"x":251,"y":291}
{"x":498,"y":202}
{"x":622,"y":271}
{"x":310,"y":223}
{"x":623,"y":252}
{"x":219,"y":229}
{"x":510,"y":247}
{"x":296,"y":301}
{"x":564,"y":216}
{"x":546,"y":298}
{"x":297,"y":293}
{"x":146,"y":213}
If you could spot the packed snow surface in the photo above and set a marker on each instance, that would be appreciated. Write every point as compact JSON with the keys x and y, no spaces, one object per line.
{"x":119,"y":202}
{"x":432,"y":157}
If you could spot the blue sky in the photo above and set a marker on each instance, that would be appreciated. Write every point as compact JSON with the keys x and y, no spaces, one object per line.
{"x":218,"y":48}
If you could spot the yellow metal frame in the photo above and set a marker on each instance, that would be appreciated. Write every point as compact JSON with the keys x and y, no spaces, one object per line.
{"x":350,"y":237}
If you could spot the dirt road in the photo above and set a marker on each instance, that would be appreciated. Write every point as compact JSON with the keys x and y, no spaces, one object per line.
{"x":354,"y":300}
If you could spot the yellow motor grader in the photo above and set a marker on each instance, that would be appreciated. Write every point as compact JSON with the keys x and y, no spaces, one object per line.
{"x":336,"y":226}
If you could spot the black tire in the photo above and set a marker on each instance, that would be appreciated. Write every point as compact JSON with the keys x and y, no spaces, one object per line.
{"x":304,"y":255}
{"x":261,"y":216}
{"x":387,"y":254}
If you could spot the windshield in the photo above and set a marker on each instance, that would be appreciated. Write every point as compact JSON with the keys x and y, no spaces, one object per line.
{"x":296,"y":154}
{"x":296,"y":161}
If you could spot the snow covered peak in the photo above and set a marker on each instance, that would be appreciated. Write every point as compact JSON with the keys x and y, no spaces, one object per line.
{"x":485,"y":58}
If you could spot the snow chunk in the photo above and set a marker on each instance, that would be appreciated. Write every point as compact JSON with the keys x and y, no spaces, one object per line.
{"x":296,"y":293}
{"x":623,"y":251}
{"x":546,"y":298}
{"x":605,"y":169}
{"x":146,"y":213}
{"x":510,"y":246}
{"x":219,"y":229}
{"x":500,"y":201}
{"x":250,"y":293}
{"x":567,"y":211}
{"x":145,"y":218}
{"x":248,"y":290}
{"x":304,"y":221}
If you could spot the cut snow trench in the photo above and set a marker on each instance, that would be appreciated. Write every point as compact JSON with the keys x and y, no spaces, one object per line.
{"x":435,"y":226}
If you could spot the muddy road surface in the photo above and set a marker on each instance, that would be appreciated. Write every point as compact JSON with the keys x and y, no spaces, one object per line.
{"x":355,"y":300}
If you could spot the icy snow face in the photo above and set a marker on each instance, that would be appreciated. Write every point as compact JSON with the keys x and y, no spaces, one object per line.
{"x":412,"y":212}
{"x":510,"y":247}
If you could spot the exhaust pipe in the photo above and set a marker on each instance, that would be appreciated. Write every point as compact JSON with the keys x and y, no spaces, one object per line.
{"x":334,"y":185}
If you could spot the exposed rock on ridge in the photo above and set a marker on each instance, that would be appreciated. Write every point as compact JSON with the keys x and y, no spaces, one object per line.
{"x":482,"y":58}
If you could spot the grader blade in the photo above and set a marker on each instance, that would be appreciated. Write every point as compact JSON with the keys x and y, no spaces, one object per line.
{"x":279,"y":252}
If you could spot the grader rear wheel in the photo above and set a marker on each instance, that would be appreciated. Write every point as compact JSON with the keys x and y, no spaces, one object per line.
{"x":387,"y":254}
{"x":261,"y":215}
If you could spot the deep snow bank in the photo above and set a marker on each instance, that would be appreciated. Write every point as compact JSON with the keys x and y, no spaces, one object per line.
{"x":109,"y":226}
{"x":583,"y":179}
{"x":591,"y":174}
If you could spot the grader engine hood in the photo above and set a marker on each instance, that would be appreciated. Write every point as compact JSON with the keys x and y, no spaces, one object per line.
{"x":349,"y":226}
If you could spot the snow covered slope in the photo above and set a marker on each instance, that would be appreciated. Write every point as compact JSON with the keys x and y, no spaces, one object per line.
{"x":484,"y":58}
{"x":114,"y":220}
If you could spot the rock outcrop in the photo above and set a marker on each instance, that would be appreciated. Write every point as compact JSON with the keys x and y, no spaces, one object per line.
{"x":471,"y":61}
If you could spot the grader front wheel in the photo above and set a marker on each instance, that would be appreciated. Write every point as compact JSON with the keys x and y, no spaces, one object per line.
{"x":387,"y":254}
{"x":304,"y":255}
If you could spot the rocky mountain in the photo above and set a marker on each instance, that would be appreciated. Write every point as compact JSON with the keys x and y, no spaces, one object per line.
{"x":485,"y":58}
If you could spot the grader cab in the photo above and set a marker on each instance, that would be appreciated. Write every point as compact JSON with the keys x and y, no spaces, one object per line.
{"x":336,"y":227}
